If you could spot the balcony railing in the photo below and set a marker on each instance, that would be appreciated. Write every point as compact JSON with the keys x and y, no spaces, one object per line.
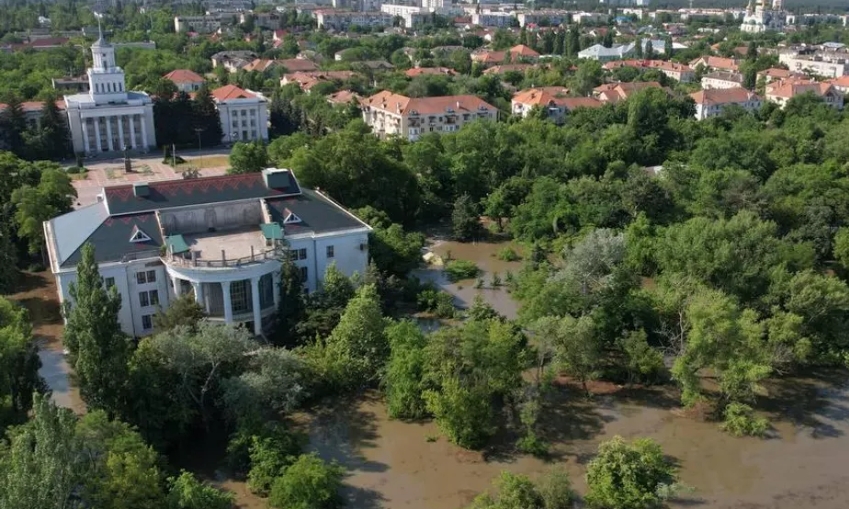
{"x":260,"y":257}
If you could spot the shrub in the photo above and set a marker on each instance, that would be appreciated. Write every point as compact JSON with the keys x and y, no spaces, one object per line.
{"x":643,"y":363}
{"x":456,"y":270}
{"x":507,"y":254}
{"x":496,"y":280}
{"x":269,"y":457}
{"x":629,"y":476}
{"x":740,"y":420}
{"x":186,"y":492}
{"x":435,"y":301}
{"x":532,"y":444}
{"x":309,"y":483}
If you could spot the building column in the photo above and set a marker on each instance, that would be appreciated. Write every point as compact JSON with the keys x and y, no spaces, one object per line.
{"x":144,"y":132}
{"x":228,"y":304}
{"x":132,"y":131}
{"x":121,"y":133}
{"x":97,"y":134}
{"x":178,"y":287}
{"x":199,"y":297}
{"x":275,"y":280}
{"x":257,"y":310}
{"x":109,"y":134}
{"x":86,"y":146}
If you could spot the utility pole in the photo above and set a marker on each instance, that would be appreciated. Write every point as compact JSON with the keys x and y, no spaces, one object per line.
{"x":199,"y":130}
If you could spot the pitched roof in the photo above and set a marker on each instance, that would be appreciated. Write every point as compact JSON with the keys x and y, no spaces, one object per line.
{"x":719,"y":96}
{"x":397,"y":103}
{"x":539,"y":96}
{"x":228,"y":92}
{"x":316,"y":212}
{"x":791,"y":88}
{"x":343,"y":97}
{"x":842,"y":81}
{"x":179,"y":76}
{"x":501,"y":69}
{"x":419,"y":71}
{"x":523,"y":51}
{"x":729,"y":64}
{"x":570,"y":103}
{"x":297,"y":64}
{"x":615,"y":92}
{"x":663,"y":65}
{"x":180,"y":193}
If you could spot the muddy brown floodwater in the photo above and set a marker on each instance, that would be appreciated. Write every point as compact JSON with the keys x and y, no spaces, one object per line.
{"x":395,"y":464}
{"x":484,"y":256}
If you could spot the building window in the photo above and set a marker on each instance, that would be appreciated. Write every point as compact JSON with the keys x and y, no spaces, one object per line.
{"x":302,"y":254}
{"x":266,"y":291}
{"x":240,"y":296}
{"x":304,"y":274}
{"x":109,"y":282}
{"x":149,"y":298}
{"x":330,"y":251}
{"x":147,"y":322}
{"x":151,"y":276}
{"x":141,"y":277}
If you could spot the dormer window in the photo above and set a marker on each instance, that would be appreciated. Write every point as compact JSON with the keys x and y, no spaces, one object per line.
{"x":138,"y":235}
{"x":291,"y":218}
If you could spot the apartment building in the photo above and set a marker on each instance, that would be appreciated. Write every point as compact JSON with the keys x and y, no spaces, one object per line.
{"x":616,"y":92}
{"x":712,"y":63}
{"x":391,"y":114}
{"x":205,"y":24}
{"x":549,"y":17}
{"x":553,"y":100}
{"x":781,"y":92}
{"x":712,"y":102}
{"x":518,"y":53}
{"x":219,"y":239}
{"x":775,"y":74}
{"x":187,"y":81}
{"x":820,"y":64}
{"x":341,"y":20}
{"x":243,"y":113}
{"x":679,"y":72}
{"x":722,"y":79}
{"x":411,"y":14}
{"x":494,"y":19}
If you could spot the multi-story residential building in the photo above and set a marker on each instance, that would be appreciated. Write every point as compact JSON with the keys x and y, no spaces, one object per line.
{"x":243,"y":113}
{"x":553,"y":100}
{"x":679,"y":72}
{"x":781,"y":92}
{"x":518,"y":53}
{"x":820,"y":64}
{"x":220,"y":239}
{"x":616,"y":92}
{"x":263,"y":20}
{"x":187,"y":81}
{"x":720,"y":79}
{"x":391,"y":114}
{"x":411,"y":14}
{"x":774,"y":74}
{"x":597,"y":18}
{"x":840,"y":84}
{"x":341,"y":20}
{"x":233,"y":60}
{"x":550,"y":17}
{"x":200,"y":24}
{"x":710,"y":103}
{"x":494,"y":19}
{"x":109,"y":118}
{"x":712,"y":63}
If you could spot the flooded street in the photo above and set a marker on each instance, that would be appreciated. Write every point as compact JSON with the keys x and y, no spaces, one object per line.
{"x":394,"y":464}
{"x":484,"y":255}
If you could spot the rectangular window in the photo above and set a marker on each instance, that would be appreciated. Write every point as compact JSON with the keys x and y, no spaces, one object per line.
{"x":151,"y":276}
{"x":154,"y":297}
{"x":330,"y":251}
{"x":144,"y":299}
{"x":109,"y":282}
{"x":140,"y":278}
{"x":147,"y":322}
{"x":304,"y":274}
{"x":302,"y":254}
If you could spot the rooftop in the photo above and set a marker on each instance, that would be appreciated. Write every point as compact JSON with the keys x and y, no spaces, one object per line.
{"x":184,"y":76}
{"x":404,"y":105}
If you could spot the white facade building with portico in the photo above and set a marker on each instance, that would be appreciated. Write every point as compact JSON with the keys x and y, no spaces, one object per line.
{"x":219,"y":239}
{"x":108,"y":118}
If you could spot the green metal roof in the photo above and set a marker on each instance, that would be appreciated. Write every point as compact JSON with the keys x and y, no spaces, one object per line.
{"x":272,"y":231}
{"x":176,"y":244}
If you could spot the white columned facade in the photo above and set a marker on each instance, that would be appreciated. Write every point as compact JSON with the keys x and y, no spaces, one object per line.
{"x":178,"y":288}
{"x":121,"y":132}
{"x":84,"y":122}
{"x":144,"y":133}
{"x":256,"y":306}
{"x":228,"y":304}
{"x":109,"y":133}
{"x":133,"y":131}
{"x":97,"y":134}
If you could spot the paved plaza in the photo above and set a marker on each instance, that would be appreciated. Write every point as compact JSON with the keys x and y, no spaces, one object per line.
{"x":147,"y":168}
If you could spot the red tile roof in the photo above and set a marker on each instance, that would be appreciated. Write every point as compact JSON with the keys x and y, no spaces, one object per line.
{"x":419,"y":71}
{"x":716,"y":96}
{"x":404,"y":105}
{"x":179,"y":76}
{"x":229,"y":92}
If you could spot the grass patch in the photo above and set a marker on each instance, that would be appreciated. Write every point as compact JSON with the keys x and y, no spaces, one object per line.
{"x":456,"y":270}
{"x":508,"y":254}
{"x":203,"y":162}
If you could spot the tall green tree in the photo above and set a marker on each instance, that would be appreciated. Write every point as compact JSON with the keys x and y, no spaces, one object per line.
{"x":404,"y":379}
{"x":206,"y":118}
{"x":99,"y":349}
{"x":19,"y":364}
{"x":465,"y":222}
{"x":54,"y":131}
{"x":291,"y":306}
{"x":13,"y":125}
{"x":53,"y":196}
{"x":249,"y":157}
